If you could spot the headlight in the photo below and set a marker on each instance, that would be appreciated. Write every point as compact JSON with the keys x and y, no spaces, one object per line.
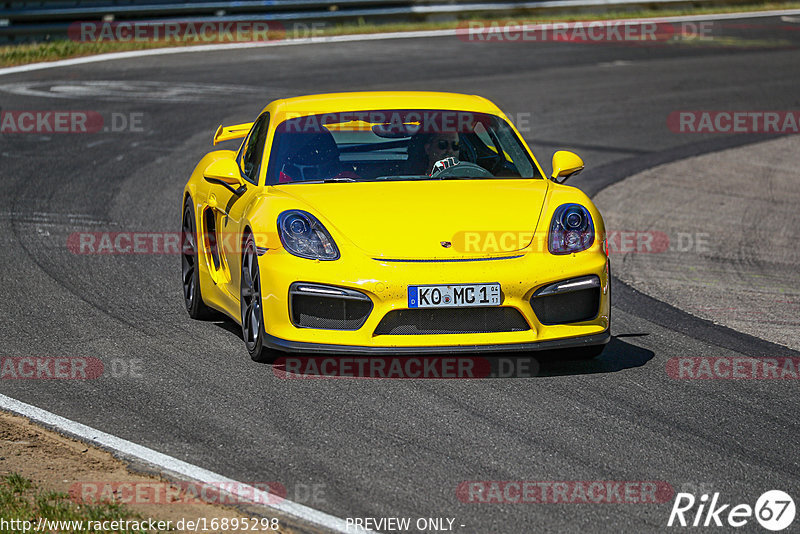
{"x":303,"y":235}
{"x":571,"y":230}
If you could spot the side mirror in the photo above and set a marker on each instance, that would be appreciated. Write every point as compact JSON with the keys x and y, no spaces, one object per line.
{"x":565,"y":164}
{"x":225,"y":172}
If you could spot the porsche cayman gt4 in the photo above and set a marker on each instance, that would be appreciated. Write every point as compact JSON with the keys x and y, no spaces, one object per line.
{"x":393,"y":223}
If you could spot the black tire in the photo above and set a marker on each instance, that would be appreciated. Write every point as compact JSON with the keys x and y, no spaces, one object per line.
{"x":192,"y":296}
{"x":250,"y":298}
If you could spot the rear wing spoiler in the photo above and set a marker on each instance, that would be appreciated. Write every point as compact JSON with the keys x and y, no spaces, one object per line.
{"x":226,"y":133}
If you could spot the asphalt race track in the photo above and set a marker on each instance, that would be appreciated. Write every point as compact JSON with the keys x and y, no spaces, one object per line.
{"x":396,"y":448}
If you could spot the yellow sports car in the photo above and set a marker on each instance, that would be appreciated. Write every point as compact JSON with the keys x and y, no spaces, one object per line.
{"x":393,"y":223}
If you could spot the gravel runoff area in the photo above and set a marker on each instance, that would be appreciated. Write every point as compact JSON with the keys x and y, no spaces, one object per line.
{"x":55,"y":463}
{"x":716,"y":236}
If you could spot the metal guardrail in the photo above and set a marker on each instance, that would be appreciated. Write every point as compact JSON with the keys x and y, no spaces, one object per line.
{"x":50,"y":19}
{"x":27,"y":11}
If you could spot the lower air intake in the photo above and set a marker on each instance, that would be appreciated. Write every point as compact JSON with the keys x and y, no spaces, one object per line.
{"x":328,"y":308}
{"x":452,"y":321}
{"x":563,"y":308}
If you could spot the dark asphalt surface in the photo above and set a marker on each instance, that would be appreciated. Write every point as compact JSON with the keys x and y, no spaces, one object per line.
{"x":386,"y":448}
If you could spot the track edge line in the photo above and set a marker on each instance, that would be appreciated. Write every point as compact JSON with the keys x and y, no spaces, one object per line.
{"x":167,"y":465}
{"x":412,"y":34}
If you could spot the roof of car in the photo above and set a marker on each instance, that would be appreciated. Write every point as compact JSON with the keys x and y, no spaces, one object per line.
{"x":381,"y":100}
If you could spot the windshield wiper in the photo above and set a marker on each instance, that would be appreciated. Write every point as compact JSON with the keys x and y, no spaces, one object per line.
{"x":402,"y":178}
{"x":330,"y":180}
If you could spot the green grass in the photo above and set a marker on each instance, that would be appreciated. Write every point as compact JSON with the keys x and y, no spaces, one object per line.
{"x":20,"y":499}
{"x":50,"y":51}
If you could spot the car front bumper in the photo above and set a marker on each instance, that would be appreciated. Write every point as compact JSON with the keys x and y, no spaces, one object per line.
{"x":386,"y":284}
{"x":325,"y":348}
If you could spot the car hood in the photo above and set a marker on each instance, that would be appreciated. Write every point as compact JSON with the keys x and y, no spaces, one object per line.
{"x":412,"y":219}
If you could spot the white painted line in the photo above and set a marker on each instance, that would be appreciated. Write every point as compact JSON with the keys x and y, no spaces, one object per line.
{"x":169,"y":465}
{"x":223,"y":46}
{"x":357,"y":38}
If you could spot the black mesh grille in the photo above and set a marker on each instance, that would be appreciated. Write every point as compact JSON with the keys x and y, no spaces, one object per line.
{"x":571,"y":307}
{"x":452,"y":321}
{"x":329,"y":313}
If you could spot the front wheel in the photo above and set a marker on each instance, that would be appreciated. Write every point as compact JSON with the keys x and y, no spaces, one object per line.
{"x":250,"y":299}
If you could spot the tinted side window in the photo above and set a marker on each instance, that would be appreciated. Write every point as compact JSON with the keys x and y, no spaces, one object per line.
{"x":253,"y":152}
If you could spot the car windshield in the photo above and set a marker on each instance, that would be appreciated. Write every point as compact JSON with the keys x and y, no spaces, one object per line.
{"x":396,"y":145}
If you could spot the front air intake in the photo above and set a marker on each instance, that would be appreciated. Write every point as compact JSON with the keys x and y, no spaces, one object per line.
{"x":327,"y":307}
{"x":568,"y":301}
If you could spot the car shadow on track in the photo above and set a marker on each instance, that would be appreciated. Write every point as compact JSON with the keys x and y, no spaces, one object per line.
{"x":228,"y":324}
{"x":617,"y":356}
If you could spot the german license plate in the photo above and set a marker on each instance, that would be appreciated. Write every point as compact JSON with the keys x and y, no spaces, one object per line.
{"x":453,"y":296}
